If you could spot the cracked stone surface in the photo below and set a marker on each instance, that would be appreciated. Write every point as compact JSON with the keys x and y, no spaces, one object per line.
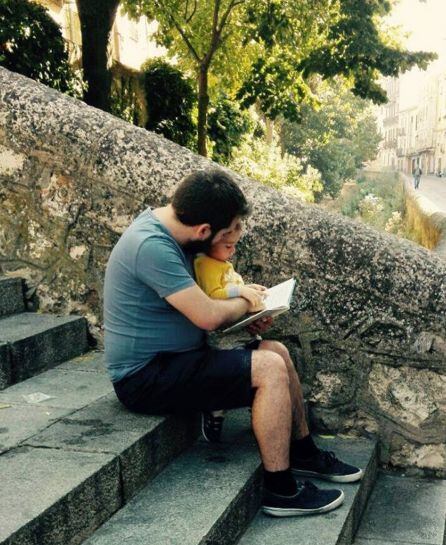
{"x":367,"y":329}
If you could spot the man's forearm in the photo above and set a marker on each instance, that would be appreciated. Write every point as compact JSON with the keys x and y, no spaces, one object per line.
{"x":229,"y":310}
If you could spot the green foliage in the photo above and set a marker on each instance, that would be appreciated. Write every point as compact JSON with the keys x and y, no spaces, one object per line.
{"x":227,"y":125}
{"x":357,"y":48}
{"x":31,"y":43}
{"x":337,"y":138}
{"x":127,"y":98}
{"x":170,"y":101}
{"x":266,"y":164}
{"x":377,"y":200}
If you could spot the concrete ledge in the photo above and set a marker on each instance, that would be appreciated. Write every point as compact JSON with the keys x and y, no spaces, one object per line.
{"x":434,"y":216}
{"x":38,"y":342}
{"x":107,"y":453}
{"x":53,"y":496}
{"x":11,"y":296}
{"x":5,"y":366}
{"x":207,"y":495}
{"x":336,"y":528}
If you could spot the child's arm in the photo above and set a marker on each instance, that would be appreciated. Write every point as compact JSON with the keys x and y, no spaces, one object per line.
{"x":210,"y":277}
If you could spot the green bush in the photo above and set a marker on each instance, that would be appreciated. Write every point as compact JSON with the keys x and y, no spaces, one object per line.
{"x":265,"y":163}
{"x":227,"y":125}
{"x":170,"y":102}
{"x":31,"y":44}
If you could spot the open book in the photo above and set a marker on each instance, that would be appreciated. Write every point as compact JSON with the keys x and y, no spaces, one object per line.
{"x":277,"y":301}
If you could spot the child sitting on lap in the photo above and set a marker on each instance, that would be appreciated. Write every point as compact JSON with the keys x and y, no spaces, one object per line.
{"x":216,"y":276}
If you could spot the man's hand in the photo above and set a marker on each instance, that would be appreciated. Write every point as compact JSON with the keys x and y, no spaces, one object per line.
{"x":260,"y":326}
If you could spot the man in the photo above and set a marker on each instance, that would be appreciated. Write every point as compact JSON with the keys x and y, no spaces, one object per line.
{"x":417,"y":176}
{"x":155,"y":345}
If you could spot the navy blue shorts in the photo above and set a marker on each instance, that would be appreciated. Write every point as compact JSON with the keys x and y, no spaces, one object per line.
{"x":206,"y":379}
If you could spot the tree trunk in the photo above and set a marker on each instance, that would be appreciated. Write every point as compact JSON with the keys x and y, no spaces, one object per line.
{"x":203,"y":104}
{"x":96,"y":19}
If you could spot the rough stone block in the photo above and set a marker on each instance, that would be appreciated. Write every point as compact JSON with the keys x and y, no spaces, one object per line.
{"x":335,"y":528}
{"x":92,"y":362}
{"x":39,"y":342}
{"x":66,"y":389}
{"x":144,"y":444}
{"x":405,"y":510}
{"x":5,"y":366}
{"x":52,"y":496}
{"x":207,"y":495}
{"x":11,"y":296}
{"x":19,"y":422}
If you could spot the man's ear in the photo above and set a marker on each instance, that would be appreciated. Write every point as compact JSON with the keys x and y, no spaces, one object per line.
{"x":204,"y":231}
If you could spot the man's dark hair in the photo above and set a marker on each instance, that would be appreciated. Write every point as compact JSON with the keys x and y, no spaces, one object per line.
{"x":209,"y":196}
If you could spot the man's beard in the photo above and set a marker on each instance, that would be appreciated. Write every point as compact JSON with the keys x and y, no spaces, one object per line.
{"x":198,"y":246}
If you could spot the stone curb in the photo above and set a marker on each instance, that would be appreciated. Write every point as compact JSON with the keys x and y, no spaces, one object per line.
{"x":37,"y":342}
{"x":11,"y":296}
{"x":122,"y":451}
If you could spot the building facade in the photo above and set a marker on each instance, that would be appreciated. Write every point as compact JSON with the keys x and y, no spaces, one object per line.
{"x":131,"y":42}
{"x":421,"y":129}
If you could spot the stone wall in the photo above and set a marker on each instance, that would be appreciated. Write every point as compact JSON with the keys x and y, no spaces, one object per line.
{"x":367,"y":327}
{"x":424,"y":219}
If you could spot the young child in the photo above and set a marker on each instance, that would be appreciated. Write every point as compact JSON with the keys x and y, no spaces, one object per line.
{"x":216,"y":276}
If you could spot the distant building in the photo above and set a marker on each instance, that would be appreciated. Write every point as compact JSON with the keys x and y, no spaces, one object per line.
{"x":387,"y":119}
{"x":421,"y":129}
{"x":131,"y":43}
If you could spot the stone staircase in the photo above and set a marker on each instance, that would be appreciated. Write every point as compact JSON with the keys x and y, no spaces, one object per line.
{"x":77,"y":467}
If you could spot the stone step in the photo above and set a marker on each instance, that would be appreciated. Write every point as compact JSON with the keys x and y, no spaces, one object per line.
{"x":405,"y":510}
{"x":210,"y":494}
{"x":335,"y":528}
{"x":71,"y":460}
{"x":11,"y":296}
{"x":31,"y":343}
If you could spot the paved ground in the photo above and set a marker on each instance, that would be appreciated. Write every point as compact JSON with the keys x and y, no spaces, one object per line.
{"x":434,"y":189}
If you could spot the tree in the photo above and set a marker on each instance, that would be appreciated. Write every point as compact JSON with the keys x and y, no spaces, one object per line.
{"x":337,"y":138}
{"x":170,"y":100}
{"x":97,"y":20}
{"x":363,"y":51}
{"x":196,"y":31}
{"x":227,"y":126}
{"x":31,"y":43}
{"x":267,"y":51}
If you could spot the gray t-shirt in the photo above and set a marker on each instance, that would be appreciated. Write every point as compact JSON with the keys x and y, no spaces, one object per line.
{"x":145,"y":266}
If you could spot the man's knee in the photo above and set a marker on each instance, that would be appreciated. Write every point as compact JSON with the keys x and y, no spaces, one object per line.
{"x":281,"y":349}
{"x":268,"y":367}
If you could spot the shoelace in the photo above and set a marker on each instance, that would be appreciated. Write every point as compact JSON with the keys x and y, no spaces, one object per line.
{"x":329,"y":457}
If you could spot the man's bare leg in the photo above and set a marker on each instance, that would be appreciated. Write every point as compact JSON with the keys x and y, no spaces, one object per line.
{"x":271,"y":410}
{"x":299,"y":426}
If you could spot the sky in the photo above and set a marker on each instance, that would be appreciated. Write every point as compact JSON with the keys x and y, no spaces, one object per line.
{"x":425,"y":23}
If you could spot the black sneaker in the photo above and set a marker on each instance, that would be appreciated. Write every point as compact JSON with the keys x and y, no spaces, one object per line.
{"x":308,"y":500}
{"x":325,"y":465}
{"x":211,"y":426}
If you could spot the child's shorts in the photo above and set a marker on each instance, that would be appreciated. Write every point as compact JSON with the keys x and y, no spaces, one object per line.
{"x":205,"y":379}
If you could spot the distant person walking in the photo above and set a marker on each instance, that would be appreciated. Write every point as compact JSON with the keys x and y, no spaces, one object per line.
{"x":417,"y":176}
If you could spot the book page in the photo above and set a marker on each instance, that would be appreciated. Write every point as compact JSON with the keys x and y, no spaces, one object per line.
{"x":277,"y":301}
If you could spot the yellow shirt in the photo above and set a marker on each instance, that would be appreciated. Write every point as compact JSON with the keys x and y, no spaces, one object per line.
{"x":216,"y":278}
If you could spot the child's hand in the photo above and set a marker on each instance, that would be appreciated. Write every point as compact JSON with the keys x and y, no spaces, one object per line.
{"x":254,"y":297}
{"x":257,"y":287}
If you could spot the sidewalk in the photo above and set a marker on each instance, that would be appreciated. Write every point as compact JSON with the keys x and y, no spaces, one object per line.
{"x":432,"y":188}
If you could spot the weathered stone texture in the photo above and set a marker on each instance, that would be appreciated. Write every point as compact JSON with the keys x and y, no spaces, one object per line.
{"x":368,"y":321}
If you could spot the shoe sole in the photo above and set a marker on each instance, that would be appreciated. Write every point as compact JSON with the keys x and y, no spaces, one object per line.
{"x":295,"y":512}
{"x":332,"y":478}
{"x":203,"y":433}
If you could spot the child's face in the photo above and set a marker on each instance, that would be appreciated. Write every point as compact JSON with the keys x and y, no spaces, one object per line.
{"x":223,"y":251}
